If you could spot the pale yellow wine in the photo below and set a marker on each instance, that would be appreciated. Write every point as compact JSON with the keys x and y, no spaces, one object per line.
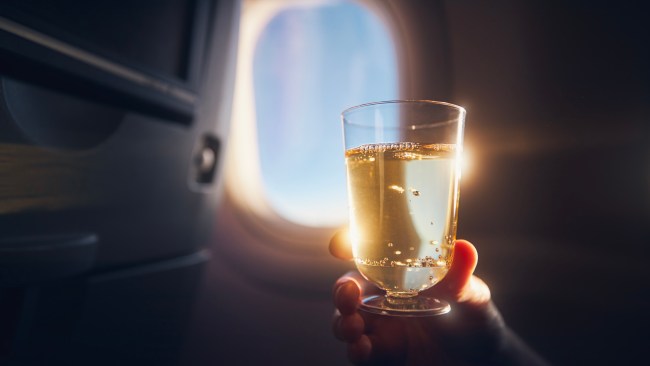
{"x":403,"y":213}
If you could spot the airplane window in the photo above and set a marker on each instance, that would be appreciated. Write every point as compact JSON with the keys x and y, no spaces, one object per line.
{"x":310,"y":63}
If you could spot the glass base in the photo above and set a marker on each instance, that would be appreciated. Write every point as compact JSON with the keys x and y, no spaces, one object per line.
{"x":405,"y":307}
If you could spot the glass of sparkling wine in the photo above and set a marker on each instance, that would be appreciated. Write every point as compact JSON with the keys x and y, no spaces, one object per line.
{"x":403,"y":172}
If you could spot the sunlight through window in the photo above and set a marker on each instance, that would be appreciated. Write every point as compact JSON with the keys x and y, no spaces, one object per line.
{"x":311,"y":63}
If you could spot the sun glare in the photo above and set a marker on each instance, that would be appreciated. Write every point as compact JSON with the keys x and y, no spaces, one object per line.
{"x":465,"y":163}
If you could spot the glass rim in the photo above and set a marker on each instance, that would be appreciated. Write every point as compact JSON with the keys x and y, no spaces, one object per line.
{"x":462,"y":112}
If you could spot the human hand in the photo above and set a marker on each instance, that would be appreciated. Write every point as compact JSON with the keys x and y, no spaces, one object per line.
{"x":471,"y":333}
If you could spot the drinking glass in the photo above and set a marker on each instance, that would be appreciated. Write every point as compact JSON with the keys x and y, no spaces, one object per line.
{"x":403,"y":171}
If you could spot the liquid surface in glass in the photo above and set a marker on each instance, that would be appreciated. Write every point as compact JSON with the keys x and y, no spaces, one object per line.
{"x":403,"y":213}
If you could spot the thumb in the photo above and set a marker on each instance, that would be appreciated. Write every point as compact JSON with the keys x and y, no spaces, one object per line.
{"x":340,"y":245}
{"x":462,"y":267}
{"x":460,"y":285}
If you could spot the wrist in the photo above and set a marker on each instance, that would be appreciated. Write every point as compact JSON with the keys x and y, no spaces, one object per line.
{"x":480,"y":337}
{"x":514,"y":351}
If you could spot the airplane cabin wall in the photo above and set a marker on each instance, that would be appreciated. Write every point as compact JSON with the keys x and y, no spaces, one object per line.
{"x":556,"y":198}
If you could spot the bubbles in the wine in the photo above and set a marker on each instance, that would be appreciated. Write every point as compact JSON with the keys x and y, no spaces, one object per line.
{"x":396,"y":188}
{"x":449,"y":240}
{"x":427,"y":261}
{"x":401,"y":146}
